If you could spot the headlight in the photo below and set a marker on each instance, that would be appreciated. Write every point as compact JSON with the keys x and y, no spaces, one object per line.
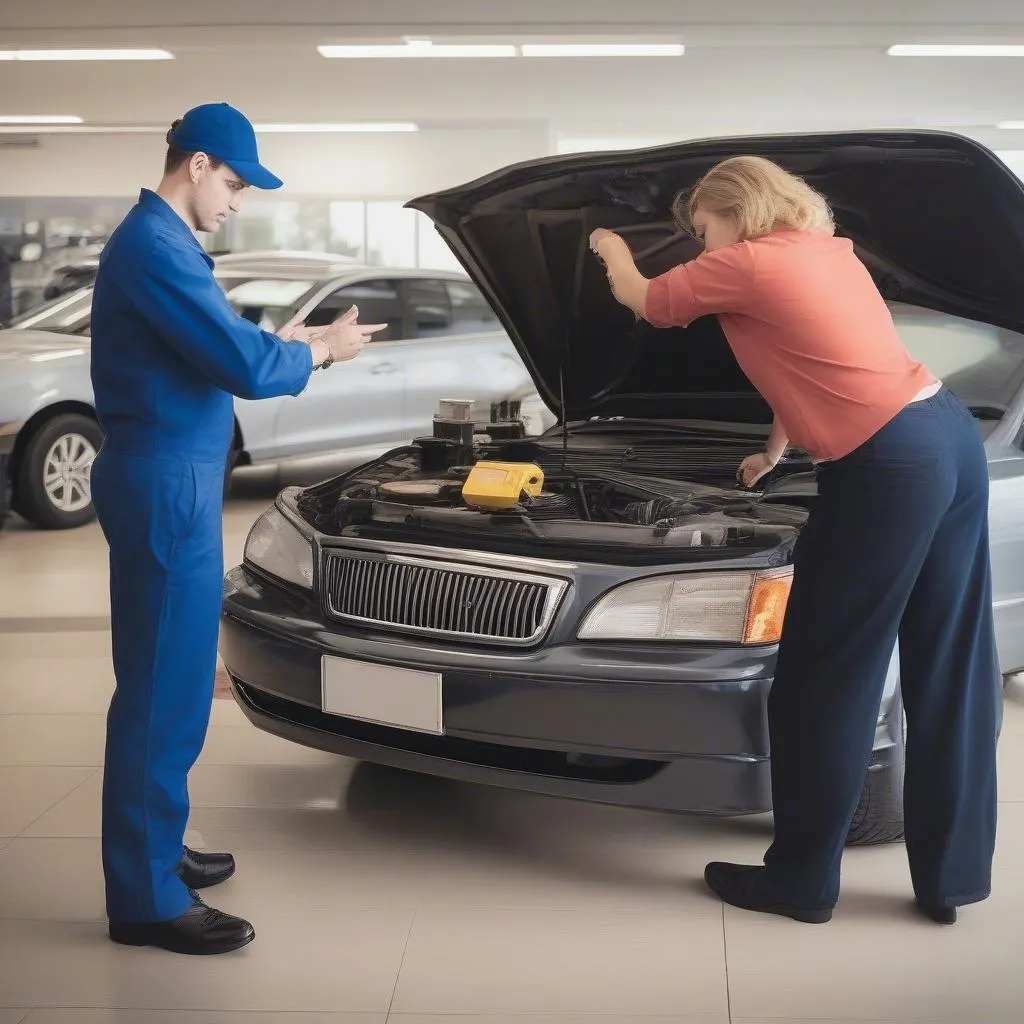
{"x":722,"y":607}
{"x":278,"y":548}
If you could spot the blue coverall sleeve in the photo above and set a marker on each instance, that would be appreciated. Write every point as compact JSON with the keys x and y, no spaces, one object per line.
{"x":174,"y":290}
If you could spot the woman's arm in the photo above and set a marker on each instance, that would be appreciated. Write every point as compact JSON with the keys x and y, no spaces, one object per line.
{"x":778,"y":442}
{"x":753,"y":467}
{"x":629,"y":286}
{"x":719,"y":281}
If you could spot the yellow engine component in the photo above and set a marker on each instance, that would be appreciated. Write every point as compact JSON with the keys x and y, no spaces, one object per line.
{"x":496,"y":485}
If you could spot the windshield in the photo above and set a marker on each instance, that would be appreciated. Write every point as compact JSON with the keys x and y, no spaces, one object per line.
{"x":982,"y":365}
{"x":68,"y":314}
{"x":268,"y":302}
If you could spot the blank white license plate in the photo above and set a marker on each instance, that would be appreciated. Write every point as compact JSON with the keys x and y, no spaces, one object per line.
{"x":399,"y":697}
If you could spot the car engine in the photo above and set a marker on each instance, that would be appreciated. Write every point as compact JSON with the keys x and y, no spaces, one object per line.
{"x":620,"y":490}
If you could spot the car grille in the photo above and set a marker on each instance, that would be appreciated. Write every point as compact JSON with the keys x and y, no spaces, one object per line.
{"x":438,"y":598}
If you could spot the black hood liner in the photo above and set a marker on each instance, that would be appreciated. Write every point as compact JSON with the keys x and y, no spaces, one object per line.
{"x":938,"y":219}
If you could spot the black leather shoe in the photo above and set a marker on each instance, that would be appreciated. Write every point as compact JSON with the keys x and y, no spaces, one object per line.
{"x":742,"y":886}
{"x":201,"y":870}
{"x":201,"y":930}
{"x":940,"y":915}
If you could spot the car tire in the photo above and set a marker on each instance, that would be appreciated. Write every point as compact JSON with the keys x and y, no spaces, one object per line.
{"x":879,"y":815}
{"x":51,"y":489}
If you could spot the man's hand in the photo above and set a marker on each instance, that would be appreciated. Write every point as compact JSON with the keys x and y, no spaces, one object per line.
{"x":753,"y":467}
{"x":295,"y":330}
{"x":346,"y":337}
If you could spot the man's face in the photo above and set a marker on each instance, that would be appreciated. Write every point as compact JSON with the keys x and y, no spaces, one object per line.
{"x":216,"y":192}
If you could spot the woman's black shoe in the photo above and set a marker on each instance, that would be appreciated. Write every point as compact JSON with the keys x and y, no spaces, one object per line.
{"x":199,"y":931}
{"x":940,"y":915}
{"x":742,"y":886}
{"x":201,"y":870}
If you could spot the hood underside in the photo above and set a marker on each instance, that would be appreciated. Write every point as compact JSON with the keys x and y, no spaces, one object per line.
{"x":937,"y":218}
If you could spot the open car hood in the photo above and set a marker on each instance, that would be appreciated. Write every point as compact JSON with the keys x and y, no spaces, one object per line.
{"x":937,"y":218}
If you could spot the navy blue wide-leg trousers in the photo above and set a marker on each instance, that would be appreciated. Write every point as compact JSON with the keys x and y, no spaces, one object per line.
{"x":895,"y":550}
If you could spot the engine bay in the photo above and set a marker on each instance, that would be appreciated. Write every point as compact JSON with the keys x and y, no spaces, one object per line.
{"x":627,"y":491}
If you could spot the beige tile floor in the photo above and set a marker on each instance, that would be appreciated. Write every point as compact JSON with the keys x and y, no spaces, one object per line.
{"x":379,"y":896}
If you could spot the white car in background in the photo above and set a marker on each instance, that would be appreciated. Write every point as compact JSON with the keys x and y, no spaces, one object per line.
{"x":442,"y":341}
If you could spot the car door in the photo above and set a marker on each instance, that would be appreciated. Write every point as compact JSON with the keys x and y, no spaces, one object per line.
{"x":458,"y":350}
{"x":354,"y":407}
{"x":983,"y":366}
{"x":1006,"y":539}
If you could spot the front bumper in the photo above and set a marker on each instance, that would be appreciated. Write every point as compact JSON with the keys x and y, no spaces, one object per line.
{"x":680,"y":730}
{"x":675,"y":729}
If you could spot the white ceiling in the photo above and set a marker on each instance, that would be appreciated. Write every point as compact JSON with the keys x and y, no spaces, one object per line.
{"x":750,"y":66}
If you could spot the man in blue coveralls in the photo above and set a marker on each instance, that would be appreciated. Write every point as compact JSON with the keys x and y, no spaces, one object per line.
{"x":168,"y":352}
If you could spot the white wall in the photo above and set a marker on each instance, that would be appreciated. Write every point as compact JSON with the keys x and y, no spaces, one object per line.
{"x":386,"y":166}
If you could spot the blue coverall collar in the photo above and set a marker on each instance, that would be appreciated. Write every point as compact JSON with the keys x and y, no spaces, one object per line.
{"x":154,"y":203}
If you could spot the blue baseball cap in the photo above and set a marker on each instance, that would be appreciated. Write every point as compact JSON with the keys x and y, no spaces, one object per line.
{"x":217,"y":129}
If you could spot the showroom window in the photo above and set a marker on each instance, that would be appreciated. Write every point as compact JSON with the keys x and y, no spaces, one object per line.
{"x":390,"y":235}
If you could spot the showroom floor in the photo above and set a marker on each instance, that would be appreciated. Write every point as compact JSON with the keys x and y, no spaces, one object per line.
{"x":379,"y":896}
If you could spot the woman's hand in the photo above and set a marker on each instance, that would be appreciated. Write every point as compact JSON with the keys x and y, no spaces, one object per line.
{"x":753,"y":467}
{"x":598,"y":233}
{"x":628,"y":285}
{"x":604,"y":235}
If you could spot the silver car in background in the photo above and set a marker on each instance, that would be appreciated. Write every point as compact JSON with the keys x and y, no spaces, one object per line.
{"x":442,"y":341}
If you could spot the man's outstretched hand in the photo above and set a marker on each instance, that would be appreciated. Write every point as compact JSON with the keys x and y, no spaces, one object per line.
{"x":343,"y":339}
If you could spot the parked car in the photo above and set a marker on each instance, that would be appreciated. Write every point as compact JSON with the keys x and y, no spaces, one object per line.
{"x":71,"y":277}
{"x":612,"y":635}
{"x":442,"y":339}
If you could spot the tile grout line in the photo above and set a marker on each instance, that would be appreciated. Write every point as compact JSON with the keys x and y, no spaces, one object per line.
{"x":401,"y":963}
{"x":725,"y":953}
{"x":94,"y":771}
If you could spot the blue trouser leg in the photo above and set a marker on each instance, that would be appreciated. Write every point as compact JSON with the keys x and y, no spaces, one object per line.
{"x":949,"y":667}
{"x":898,"y":534}
{"x":162,"y":520}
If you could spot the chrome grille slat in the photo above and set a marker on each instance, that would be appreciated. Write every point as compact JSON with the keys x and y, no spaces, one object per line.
{"x":511,"y":619}
{"x":438,"y":598}
{"x":492,"y":604}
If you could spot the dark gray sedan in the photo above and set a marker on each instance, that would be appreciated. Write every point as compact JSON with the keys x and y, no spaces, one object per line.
{"x":609,"y":631}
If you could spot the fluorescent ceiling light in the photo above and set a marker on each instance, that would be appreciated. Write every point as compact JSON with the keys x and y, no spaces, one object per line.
{"x":603,"y":50}
{"x":1013,"y":126}
{"x":398,"y":126}
{"x":956,"y":50}
{"x":80,"y":129}
{"x":419,"y":48}
{"x":34,"y":126}
{"x":86,"y":55}
{"x":39,"y":119}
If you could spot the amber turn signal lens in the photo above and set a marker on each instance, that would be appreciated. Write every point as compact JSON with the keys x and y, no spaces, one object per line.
{"x":767,"y":607}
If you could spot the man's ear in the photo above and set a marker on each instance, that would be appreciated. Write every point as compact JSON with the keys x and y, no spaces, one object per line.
{"x":198,"y":165}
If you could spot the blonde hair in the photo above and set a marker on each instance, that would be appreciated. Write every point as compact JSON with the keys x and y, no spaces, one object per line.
{"x":759,"y":196}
